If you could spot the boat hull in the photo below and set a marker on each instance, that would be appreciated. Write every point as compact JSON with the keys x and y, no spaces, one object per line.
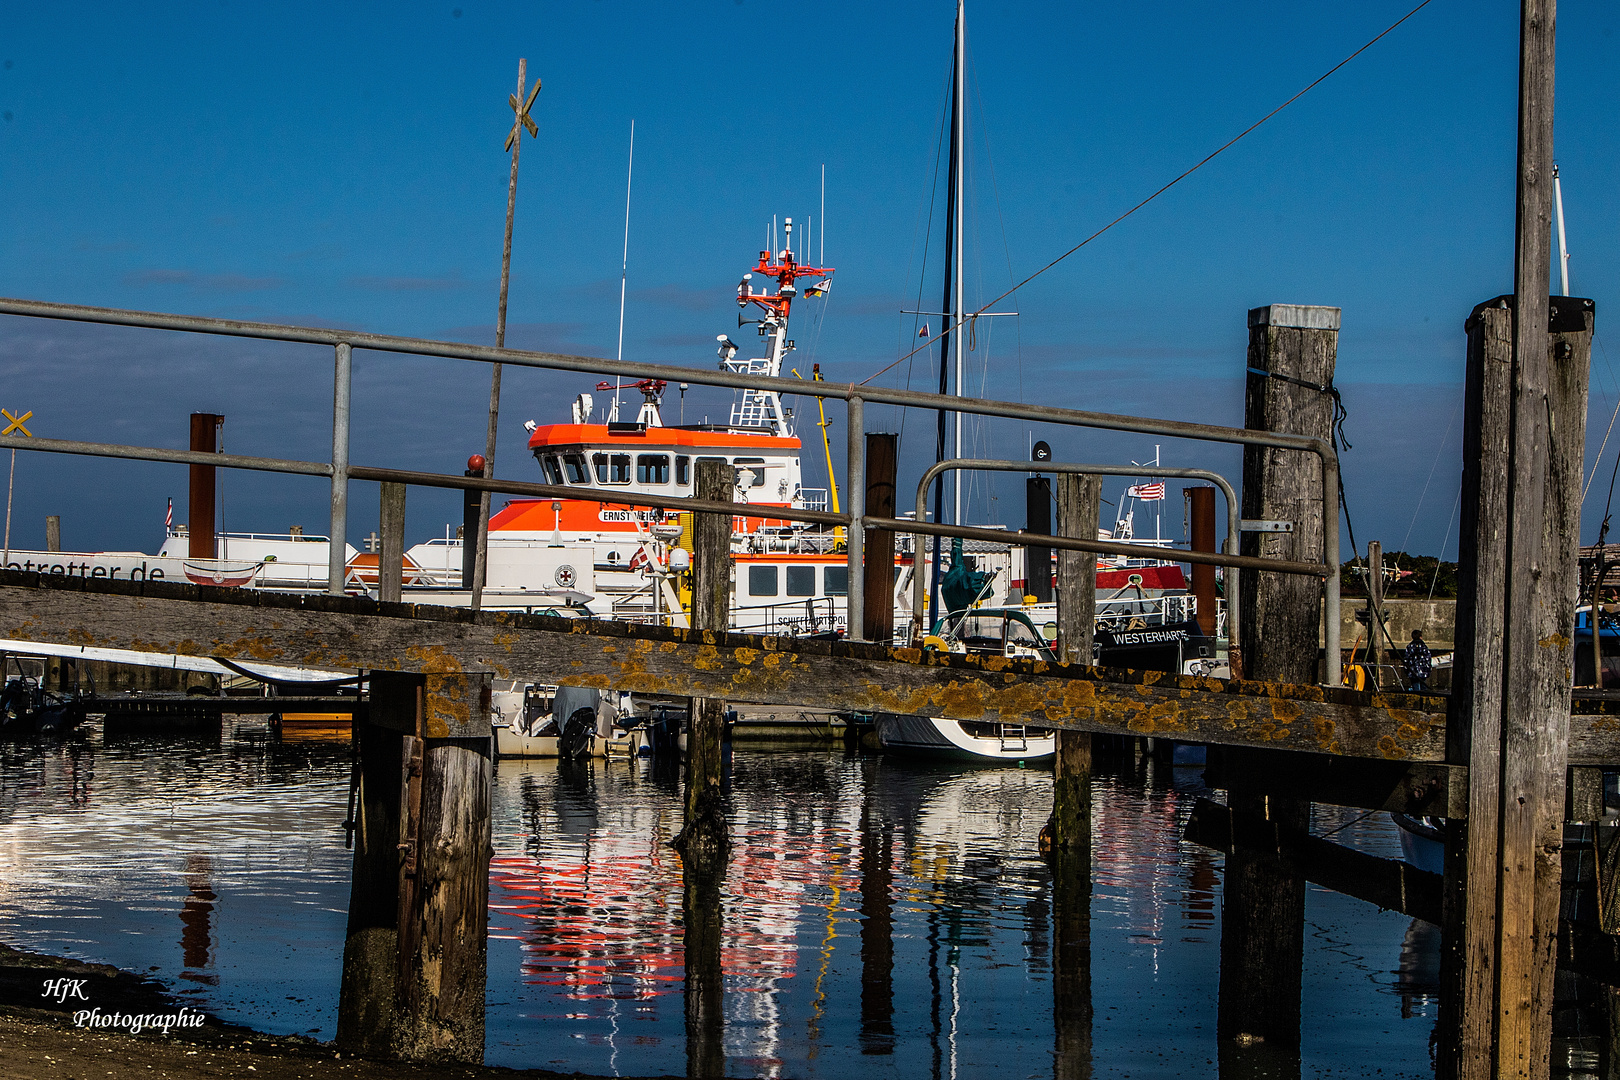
{"x":927,"y":736}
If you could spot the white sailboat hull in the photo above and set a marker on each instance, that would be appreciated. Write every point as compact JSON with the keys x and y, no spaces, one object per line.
{"x":933,"y":736}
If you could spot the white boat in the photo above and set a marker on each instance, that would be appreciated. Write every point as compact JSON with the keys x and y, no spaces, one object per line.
{"x":997,"y":631}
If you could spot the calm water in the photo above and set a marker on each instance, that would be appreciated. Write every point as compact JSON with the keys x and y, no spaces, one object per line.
{"x":219,"y":867}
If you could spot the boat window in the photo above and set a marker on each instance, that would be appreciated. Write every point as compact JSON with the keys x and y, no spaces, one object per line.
{"x":750,"y":471}
{"x":762,"y":580}
{"x":611,"y":469}
{"x":553,"y":469}
{"x":652,"y":468}
{"x":1020,"y":636}
{"x":574,"y":466}
{"x":683,"y":469}
{"x":801,"y":580}
{"x":980,"y":631}
{"x":835,"y":580}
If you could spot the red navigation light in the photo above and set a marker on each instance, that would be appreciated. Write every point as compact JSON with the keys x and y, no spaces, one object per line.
{"x":475,"y":464}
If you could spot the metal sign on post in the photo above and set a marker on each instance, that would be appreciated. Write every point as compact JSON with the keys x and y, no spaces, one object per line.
{"x":14,"y":424}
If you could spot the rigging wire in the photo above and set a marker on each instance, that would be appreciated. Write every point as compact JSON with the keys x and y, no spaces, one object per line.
{"x":1441,"y":558}
{"x":1598,"y":457}
{"x":928,"y":235}
{"x":1444,"y":439}
{"x":1211,"y":157}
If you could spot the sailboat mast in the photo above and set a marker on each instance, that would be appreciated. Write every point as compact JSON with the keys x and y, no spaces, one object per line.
{"x":949,"y":333}
{"x":956,"y":309}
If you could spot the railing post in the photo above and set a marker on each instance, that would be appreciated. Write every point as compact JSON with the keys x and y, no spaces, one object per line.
{"x":855,"y":483}
{"x":337,"y":556}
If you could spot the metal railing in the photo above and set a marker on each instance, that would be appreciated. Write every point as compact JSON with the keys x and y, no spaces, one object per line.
{"x":1103,"y":547}
{"x":339,"y":470}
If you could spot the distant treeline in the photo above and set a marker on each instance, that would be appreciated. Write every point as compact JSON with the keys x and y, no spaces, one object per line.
{"x":1417,"y":580}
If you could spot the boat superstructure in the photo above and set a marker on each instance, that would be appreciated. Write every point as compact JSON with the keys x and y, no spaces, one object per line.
{"x":635,"y":548}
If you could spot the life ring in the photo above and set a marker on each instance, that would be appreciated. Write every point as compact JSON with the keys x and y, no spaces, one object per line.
{"x":1355,"y":677}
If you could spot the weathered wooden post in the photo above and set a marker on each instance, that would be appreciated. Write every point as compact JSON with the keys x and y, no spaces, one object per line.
{"x":1202,"y":505}
{"x":53,"y":533}
{"x":414,"y":961}
{"x":1292,"y":351}
{"x":1524,"y":432}
{"x":881,"y":452}
{"x":1077,"y":510}
{"x":391,"y":553}
{"x":703,"y":841}
{"x":1038,"y":519}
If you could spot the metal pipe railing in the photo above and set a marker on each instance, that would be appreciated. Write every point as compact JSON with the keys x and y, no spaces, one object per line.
{"x":937,"y":470}
{"x":856,"y":395}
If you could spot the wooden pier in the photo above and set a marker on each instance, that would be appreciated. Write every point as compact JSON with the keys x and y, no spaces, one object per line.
{"x":1507,"y":759}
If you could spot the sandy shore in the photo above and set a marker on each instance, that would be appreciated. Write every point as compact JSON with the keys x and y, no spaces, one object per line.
{"x":43,"y":1038}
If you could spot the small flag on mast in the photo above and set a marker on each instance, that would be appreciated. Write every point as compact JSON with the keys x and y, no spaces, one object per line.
{"x":1146,"y":492}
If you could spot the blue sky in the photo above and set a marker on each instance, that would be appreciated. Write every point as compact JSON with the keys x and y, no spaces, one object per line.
{"x":343,"y":165}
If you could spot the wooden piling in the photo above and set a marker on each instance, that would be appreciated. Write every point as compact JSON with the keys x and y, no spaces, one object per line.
{"x":1077,"y":511}
{"x":703,"y":841}
{"x":1078,"y":499}
{"x":53,"y":533}
{"x":1524,"y":424}
{"x":703,"y":838}
{"x":882,"y":450}
{"x":391,"y":553}
{"x":1038,"y":519}
{"x":1203,"y":539}
{"x":414,"y":961}
{"x":366,"y":996}
{"x":1292,"y":351}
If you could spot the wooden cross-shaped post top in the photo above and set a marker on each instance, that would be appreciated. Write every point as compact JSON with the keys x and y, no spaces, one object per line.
{"x":16,"y":422}
{"x":521,"y":106}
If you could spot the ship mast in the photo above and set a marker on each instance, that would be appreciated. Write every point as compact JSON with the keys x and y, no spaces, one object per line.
{"x":957,"y":307}
{"x":951,"y":353}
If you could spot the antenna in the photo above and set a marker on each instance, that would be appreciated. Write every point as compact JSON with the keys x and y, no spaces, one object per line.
{"x":624,"y":265}
{"x":823,"y":259}
{"x":1563,"y":252}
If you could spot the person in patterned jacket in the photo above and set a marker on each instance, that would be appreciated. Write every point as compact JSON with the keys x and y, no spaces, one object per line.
{"x":1418,"y":664}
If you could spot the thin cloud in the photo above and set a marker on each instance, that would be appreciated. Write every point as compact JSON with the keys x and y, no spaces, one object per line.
{"x":448,"y":283}
{"x":202,"y":282}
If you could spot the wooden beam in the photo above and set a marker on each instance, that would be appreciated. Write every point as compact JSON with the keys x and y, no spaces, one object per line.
{"x":1398,"y":786}
{"x":1388,"y":883}
{"x":350,"y":633}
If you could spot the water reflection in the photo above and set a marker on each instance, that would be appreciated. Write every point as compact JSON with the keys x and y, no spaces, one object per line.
{"x":881,"y":918}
